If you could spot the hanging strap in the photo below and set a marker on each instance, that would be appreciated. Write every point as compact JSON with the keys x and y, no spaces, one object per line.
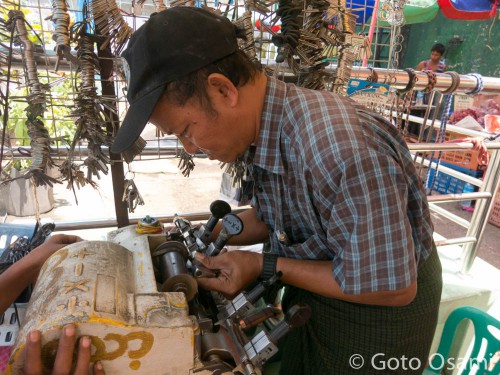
{"x":440,"y":139}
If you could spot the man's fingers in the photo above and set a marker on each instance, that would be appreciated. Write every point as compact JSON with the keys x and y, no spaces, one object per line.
{"x":220,"y":284}
{"x":64,"y":357}
{"x":214,"y":263}
{"x":206,"y":261}
{"x":210,"y":283}
{"x":64,"y":239}
{"x":83,"y":361}
{"x":98,"y":369}
{"x":70,"y":238}
{"x":33,"y":354}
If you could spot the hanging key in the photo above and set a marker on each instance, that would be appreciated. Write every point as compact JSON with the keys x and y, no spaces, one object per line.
{"x":126,"y":187}
{"x":186,"y":163}
{"x":132,"y":196}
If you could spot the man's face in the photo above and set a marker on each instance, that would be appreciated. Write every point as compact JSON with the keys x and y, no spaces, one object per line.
{"x":215,"y":133}
{"x":435,"y":56}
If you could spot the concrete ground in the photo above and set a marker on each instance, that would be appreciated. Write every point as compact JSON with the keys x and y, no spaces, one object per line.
{"x":489,"y":249}
{"x":166,"y":191}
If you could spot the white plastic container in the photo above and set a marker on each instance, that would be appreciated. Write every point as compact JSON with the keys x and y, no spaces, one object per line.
{"x":9,"y":325}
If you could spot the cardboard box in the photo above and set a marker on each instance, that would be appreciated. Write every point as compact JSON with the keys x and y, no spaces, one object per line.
{"x":447,"y":184}
{"x":495,"y":210}
{"x":483,"y":98}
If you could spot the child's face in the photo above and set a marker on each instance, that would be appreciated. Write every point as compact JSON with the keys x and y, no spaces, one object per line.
{"x":435,"y":56}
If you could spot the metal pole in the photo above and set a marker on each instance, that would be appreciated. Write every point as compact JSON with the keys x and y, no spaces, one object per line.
{"x":373,"y":23}
{"x":117,"y":171}
{"x":398,"y":78}
{"x":20,"y":152}
{"x":481,"y":212}
{"x":110,"y":223}
{"x":462,"y":146}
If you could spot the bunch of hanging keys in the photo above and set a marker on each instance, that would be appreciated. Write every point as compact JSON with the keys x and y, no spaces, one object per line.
{"x":131,"y":195}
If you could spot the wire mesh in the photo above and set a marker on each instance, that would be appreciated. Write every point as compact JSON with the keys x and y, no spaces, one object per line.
{"x":56,"y":27}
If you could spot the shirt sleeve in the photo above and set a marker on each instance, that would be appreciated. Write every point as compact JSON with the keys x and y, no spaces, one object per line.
{"x":368,"y":225}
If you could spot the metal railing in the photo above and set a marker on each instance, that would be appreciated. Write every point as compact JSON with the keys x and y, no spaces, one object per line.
{"x":475,"y":227}
{"x":488,"y":187}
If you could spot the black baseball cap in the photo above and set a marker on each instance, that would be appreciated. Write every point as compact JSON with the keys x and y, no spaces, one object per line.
{"x":170,"y":45}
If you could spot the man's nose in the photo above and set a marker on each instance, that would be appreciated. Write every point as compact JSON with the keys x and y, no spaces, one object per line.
{"x":188,"y":146}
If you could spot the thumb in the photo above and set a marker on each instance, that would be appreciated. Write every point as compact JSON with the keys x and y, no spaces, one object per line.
{"x":70,"y":239}
{"x":209,"y":262}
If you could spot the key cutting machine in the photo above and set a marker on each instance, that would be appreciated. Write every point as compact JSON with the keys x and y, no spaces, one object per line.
{"x":137,"y":298}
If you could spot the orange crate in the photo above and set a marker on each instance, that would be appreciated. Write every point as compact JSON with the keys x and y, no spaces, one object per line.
{"x":464,"y":159}
{"x":495,"y":211}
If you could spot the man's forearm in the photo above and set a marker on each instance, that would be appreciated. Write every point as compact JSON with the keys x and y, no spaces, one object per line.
{"x":317,"y":277}
{"x":254,"y":230}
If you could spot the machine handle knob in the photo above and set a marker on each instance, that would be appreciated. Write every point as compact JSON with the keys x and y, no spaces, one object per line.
{"x":260,"y":288}
{"x":231,"y":226}
{"x":219,"y":209}
{"x":296,"y":316}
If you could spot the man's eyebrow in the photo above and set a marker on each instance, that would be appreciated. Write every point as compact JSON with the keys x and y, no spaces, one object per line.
{"x":168,"y":132}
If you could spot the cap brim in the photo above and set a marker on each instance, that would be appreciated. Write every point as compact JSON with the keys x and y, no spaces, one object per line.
{"x":135,"y":120}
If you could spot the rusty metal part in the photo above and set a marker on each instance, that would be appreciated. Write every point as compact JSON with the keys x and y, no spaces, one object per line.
{"x":137,"y":6}
{"x":263,"y":7}
{"x":159,"y":5}
{"x":171,"y":257}
{"x":200,"y":271}
{"x":247,"y":44}
{"x":344,"y":25}
{"x":182,"y":283}
{"x":132,"y":196}
{"x":61,"y":18}
{"x":90,"y":115}
{"x":255,"y":318}
{"x":110,"y":23}
{"x":216,"y":353}
{"x":40,"y":140}
{"x":186,"y":163}
{"x":17,"y":21}
{"x":288,"y":39}
{"x":182,"y":3}
{"x":237,"y":170}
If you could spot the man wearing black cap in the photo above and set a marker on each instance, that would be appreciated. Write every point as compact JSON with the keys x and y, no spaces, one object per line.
{"x":336,"y":194}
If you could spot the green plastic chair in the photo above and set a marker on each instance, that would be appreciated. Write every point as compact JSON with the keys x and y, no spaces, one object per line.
{"x":481,"y":321}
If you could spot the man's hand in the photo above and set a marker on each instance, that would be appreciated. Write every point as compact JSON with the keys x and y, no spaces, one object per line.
{"x":64,"y":357}
{"x":236,"y":269}
{"x":39,"y":255}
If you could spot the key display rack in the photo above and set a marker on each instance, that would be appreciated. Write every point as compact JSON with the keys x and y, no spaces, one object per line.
{"x":63,"y":92}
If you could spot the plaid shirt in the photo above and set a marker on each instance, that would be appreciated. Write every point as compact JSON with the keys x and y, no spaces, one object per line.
{"x":340,"y":184}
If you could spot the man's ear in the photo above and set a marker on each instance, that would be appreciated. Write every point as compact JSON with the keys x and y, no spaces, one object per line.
{"x":220,"y":85}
